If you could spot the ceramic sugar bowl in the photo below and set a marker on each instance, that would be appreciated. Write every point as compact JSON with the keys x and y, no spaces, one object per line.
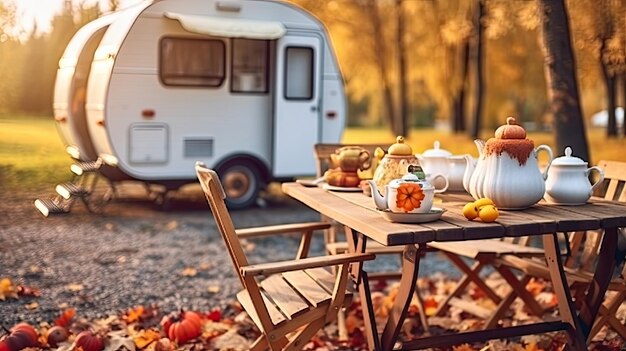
{"x":394,"y":164}
{"x":568,"y":180}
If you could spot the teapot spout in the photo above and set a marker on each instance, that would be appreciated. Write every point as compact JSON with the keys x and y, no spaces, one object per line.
{"x":480,"y":145}
{"x":379,"y":200}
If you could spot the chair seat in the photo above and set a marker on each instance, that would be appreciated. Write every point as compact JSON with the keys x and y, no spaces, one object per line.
{"x":492,"y":247}
{"x":291,"y":294}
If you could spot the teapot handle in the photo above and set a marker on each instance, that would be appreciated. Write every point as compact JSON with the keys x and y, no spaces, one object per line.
{"x":547,"y":149}
{"x":600,"y":179}
{"x":445,"y":187}
{"x":364,"y":160}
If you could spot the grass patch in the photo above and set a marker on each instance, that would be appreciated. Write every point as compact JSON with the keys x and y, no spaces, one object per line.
{"x":31,"y":153}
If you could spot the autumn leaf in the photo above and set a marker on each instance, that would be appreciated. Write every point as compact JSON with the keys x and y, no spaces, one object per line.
{"x":535,"y":286}
{"x":65,"y":318}
{"x":133,"y":314}
{"x":215,"y":315}
{"x":32,"y":306}
{"x":189,"y":272}
{"x":7,"y":289}
{"x":74,"y":287}
{"x":430,"y":306}
{"x":214,"y":289}
{"x":463,"y":347}
{"x":146,"y":337}
{"x":119,"y":341}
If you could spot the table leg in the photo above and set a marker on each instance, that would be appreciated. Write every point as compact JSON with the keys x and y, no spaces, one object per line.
{"x":357,"y":243}
{"x":602,"y":277}
{"x":561,"y":289}
{"x":410,"y":265}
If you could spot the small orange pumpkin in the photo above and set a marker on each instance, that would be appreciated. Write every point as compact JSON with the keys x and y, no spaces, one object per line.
{"x":89,"y":341}
{"x":21,"y":336}
{"x":186,"y":327}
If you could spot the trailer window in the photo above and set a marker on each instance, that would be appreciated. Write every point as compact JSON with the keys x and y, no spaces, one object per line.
{"x":299,"y":73}
{"x":192,"y":62}
{"x":249,"y":66}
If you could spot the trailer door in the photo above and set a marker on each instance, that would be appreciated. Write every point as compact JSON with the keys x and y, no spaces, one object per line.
{"x":296,"y":107}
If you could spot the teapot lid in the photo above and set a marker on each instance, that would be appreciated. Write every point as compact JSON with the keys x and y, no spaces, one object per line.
{"x":415,"y":174}
{"x":436,"y":151}
{"x":511,"y":130}
{"x":400,"y":148}
{"x":568,"y":159}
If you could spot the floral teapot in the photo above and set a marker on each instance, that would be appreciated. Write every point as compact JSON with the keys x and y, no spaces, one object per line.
{"x":394,"y":164}
{"x":568,"y":180}
{"x":507,"y":170}
{"x":410,"y":194}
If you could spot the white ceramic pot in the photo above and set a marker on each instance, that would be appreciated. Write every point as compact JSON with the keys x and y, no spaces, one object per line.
{"x":568,"y":180}
{"x":435,"y":161}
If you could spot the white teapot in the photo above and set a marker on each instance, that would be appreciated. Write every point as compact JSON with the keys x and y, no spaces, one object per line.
{"x":568,"y":180}
{"x":507,"y":171}
{"x":412,"y":193}
{"x":436,"y":161}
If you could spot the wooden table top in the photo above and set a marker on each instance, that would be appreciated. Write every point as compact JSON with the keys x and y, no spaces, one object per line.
{"x":358,"y":211}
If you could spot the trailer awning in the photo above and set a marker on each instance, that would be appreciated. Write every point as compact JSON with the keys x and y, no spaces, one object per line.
{"x":229,"y":27}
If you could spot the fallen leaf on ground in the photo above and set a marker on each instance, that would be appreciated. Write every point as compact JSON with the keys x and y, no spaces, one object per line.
{"x":32,"y":306}
{"x":75,"y":287}
{"x":65,"y":318}
{"x":146,"y":337}
{"x":133,"y":314}
{"x":28,"y":291}
{"x":189,"y":272}
{"x":171,"y":225}
{"x":214,"y":289}
{"x":118,"y":342}
{"x":7,"y":289}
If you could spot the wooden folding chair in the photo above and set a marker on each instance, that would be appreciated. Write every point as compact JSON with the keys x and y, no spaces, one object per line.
{"x":289,"y":301}
{"x":484,"y":254}
{"x":583,"y":249}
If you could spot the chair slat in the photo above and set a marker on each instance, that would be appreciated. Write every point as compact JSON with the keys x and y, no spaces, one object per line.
{"x":307,"y":287}
{"x":283,"y":295}
{"x":323,"y":277}
{"x":244,"y":299}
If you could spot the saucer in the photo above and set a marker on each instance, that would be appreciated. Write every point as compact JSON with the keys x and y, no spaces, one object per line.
{"x":327,"y":186}
{"x":434,"y":214}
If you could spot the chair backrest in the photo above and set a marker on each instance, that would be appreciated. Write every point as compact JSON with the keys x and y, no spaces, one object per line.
{"x":585,"y":246}
{"x":215,"y":195}
{"x":323,"y":151}
{"x":614,"y":178}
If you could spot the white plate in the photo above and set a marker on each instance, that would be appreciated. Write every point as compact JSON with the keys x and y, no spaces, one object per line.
{"x":341,"y":188}
{"x":434,"y":214}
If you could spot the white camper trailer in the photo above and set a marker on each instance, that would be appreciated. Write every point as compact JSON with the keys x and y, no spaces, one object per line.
{"x":248,"y":87}
{"x":71,"y":86}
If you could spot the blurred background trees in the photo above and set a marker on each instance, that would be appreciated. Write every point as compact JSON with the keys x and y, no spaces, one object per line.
{"x":458,"y":65}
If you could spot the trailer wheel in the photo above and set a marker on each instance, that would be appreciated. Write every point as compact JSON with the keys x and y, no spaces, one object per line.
{"x":241,"y":183}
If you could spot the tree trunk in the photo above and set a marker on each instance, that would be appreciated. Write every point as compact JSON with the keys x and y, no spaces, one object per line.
{"x":402,"y":115}
{"x":480,"y":77}
{"x":458,"y":101}
{"x":623,"y":76}
{"x":609,"y":83}
{"x":381,"y":51}
{"x":560,"y":69}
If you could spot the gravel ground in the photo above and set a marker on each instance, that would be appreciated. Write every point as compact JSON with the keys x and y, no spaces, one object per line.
{"x":135,"y":253}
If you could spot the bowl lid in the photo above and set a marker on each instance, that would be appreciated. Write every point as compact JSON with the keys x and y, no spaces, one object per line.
{"x":436,"y":151}
{"x":568,"y":159}
{"x":400,"y":148}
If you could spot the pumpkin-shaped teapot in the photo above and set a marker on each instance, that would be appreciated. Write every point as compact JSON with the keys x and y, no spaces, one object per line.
{"x":394,"y":164}
{"x":507,"y":170}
